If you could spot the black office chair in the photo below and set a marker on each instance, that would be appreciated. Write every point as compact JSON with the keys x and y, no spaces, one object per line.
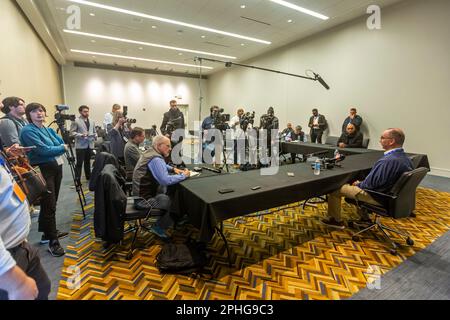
{"x":398,"y":203}
{"x":130,"y":213}
{"x":332,"y":141}
{"x":139,"y":216}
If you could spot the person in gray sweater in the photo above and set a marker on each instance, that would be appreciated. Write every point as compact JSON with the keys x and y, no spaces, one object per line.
{"x":12,"y":123}
{"x":132,"y":152}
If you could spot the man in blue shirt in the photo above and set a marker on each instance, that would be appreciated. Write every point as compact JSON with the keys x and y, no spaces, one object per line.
{"x":151,"y":179}
{"x":381,"y":178}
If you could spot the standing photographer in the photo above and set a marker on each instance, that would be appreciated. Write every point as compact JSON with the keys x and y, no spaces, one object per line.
{"x":84,"y":132}
{"x":208,"y":124}
{"x":238,"y":133}
{"x":172,"y":120}
{"x":107,"y":122}
{"x":269,"y":122}
{"x":47,"y":154}
{"x":118,"y":136}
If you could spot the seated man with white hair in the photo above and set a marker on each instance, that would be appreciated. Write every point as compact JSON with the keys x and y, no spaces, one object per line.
{"x":151,"y":177}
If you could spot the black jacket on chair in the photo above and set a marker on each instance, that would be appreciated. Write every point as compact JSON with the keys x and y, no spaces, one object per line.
{"x":110,"y":205}
{"x":101,"y":160}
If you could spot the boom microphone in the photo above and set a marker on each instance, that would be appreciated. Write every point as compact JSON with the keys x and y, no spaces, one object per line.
{"x":322,"y":82}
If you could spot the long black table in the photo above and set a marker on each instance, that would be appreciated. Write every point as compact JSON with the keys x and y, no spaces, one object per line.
{"x":206,"y":207}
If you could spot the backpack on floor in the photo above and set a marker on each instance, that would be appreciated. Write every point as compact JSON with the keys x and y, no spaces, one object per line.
{"x":182,"y":258}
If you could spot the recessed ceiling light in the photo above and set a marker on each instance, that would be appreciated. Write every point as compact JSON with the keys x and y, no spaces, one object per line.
{"x":139,"y":59}
{"x":203,"y":37}
{"x":243,"y":6}
{"x":140,"y":48}
{"x":93,"y":35}
{"x":289,"y":21}
{"x":93,"y":41}
{"x":154,"y":27}
{"x":92,"y":14}
{"x":180,"y":23}
{"x":242,"y":44}
{"x":180,"y":54}
{"x":301,"y":9}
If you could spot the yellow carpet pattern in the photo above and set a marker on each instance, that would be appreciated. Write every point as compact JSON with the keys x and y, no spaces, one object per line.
{"x":284,"y":255}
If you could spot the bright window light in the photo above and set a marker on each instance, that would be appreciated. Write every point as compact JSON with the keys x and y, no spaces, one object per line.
{"x":137,"y":58}
{"x":93,"y":35}
{"x":301,"y":9}
{"x":180,"y":23}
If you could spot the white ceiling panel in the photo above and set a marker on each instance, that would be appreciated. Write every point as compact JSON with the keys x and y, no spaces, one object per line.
{"x":261,"y":19}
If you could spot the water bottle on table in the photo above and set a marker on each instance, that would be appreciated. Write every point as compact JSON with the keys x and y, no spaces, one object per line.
{"x":317,"y":167}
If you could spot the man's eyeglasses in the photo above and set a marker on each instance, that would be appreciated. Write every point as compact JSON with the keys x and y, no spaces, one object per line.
{"x":385,"y":138}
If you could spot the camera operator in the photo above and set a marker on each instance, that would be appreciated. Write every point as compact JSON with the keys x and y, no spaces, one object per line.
{"x":269,"y":122}
{"x":12,"y":123}
{"x":47,"y":154}
{"x":118,"y":136}
{"x":238,"y":134}
{"x":107,"y":122}
{"x":216,"y":120}
{"x":172,"y":120}
{"x":208,"y":122}
{"x":85,"y":135}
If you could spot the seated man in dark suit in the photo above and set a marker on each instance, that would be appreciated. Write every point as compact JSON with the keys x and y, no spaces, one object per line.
{"x":351,"y":138}
{"x":381,"y":178}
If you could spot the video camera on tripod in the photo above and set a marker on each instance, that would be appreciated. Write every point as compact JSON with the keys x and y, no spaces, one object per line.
{"x":125,"y":113}
{"x":61,"y":117}
{"x":247,"y":118}
{"x":220,"y":120}
{"x":60,"y":120}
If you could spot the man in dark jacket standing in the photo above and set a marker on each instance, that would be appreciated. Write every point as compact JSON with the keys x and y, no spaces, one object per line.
{"x":351,"y":138}
{"x":172,"y":120}
{"x":318,"y":125}
{"x":354,"y":119}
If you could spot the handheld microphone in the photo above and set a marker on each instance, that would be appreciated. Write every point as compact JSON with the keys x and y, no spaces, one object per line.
{"x":322,"y":82}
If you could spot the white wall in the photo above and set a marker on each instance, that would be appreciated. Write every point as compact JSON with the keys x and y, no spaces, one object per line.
{"x":27,"y":69}
{"x":100,"y":89}
{"x":397,"y":77}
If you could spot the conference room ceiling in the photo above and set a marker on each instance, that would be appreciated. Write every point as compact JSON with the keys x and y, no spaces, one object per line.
{"x":263,"y":20}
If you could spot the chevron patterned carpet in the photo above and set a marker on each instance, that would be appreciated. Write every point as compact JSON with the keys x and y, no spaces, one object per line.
{"x":285,"y":254}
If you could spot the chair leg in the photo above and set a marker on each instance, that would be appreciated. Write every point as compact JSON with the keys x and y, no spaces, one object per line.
{"x":394,"y":245}
{"x":130,"y":252}
{"x":394,"y":231}
{"x":372,"y":226}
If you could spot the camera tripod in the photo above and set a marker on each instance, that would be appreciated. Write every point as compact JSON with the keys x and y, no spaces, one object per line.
{"x":71,"y":160}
